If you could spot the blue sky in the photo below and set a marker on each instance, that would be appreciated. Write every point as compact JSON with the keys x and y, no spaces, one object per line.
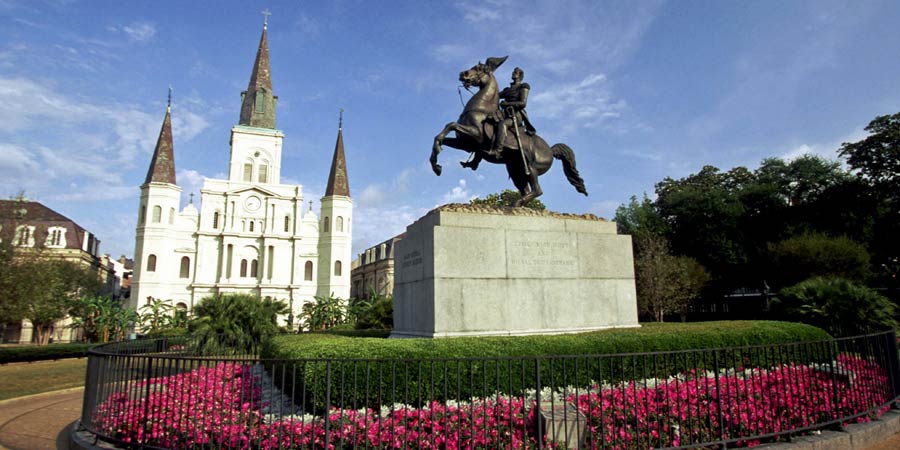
{"x":640,"y":91}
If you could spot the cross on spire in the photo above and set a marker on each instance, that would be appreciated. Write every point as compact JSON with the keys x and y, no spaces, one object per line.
{"x":310,"y":205}
{"x":341,"y":119}
{"x":169,"y":104}
{"x":192,"y":198}
{"x":266,"y":15}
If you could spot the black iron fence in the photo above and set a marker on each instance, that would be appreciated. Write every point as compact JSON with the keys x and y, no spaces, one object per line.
{"x":201,"y":393}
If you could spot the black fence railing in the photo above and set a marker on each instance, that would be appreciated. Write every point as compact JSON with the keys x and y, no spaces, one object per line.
{"x":201,"y":393}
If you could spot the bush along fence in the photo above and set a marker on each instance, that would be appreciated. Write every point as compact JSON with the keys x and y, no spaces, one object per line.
{"x":183,"y":393}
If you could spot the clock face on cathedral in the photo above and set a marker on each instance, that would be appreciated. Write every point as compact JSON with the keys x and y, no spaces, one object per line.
{"x":252,"y":203}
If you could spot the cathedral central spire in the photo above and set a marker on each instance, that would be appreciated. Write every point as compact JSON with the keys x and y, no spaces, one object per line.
{"x":258,"y":101}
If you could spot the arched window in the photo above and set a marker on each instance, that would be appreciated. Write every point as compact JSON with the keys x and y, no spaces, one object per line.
{"x":143,"y":214}
{"x":251,"y":225}
{"x":326,"y":224}
{"x":157,"y":214}
{"x":307,"y":271}
{"x":185,"y":267}
{"x":243,"y":268}
{"x":248,"y":172}
{"x":254,"y":268}
{"x":263,"y":173}
{"x":260,"y":105}
{"x":339,"y":224}
{"x":151,"y":263}
{"x":171,"y":216}
{"x":337,"y":268}
{"x":216,"y":220}
{"x":287,"y":224}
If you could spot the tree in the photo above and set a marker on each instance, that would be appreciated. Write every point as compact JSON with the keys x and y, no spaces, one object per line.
{"x":836,"y":304}
{"x":666,"y":284}
{"x":101,"y":318}
{"x":507,"y":198}
{"x":640,"y":217}
{"x":156,"y":315}
{"x":876,"y":160}
{"x":814,"y":254}
{"x":48,"y":288}
{"x":877,"y":157}
{"x":324,"y":313}
{"x":238,"y":319}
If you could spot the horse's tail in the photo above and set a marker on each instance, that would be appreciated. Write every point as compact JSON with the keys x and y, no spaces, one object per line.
{"x":565,"y":154}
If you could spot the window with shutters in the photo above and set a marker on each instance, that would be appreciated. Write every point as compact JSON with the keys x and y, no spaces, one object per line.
{"x":151,"y":263}
{"x":337,"y":268}
{"x":157,"y":214}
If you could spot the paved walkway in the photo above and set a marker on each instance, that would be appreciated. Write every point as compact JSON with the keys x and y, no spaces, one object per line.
{"x":39,"y":422}
{"x":42,"y":421}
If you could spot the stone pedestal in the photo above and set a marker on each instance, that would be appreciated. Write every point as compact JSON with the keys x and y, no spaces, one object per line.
{"x":476,"y":271}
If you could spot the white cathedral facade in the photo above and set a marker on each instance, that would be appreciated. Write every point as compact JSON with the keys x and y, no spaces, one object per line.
{"x":252,"y":234}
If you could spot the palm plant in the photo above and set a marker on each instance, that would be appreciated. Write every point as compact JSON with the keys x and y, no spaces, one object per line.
{"x":156,"y":315}
{"x":239,"y":321}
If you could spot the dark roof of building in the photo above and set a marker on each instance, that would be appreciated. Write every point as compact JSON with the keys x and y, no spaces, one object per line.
{"x":337,"y":177}
{"x":36,"y":214}
{"x":162,"y":165}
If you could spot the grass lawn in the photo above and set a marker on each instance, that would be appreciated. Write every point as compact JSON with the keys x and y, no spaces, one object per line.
{"x":21,"y":379}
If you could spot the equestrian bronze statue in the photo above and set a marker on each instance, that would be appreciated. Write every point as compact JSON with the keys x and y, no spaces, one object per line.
{"x":477,"y":131}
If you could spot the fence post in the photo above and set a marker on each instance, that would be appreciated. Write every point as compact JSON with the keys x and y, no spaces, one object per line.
{"x":327,"y":403}
{"x":893,"y":365}
{"x":719,"y":394}
{"x":537,"y":402}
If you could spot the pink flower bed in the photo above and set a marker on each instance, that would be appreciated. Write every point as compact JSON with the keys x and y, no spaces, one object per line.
{"x":220,"y":406}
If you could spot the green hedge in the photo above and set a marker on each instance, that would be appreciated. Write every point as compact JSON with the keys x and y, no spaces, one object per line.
{"x":29,"y":353}
{"x":414,"y":371}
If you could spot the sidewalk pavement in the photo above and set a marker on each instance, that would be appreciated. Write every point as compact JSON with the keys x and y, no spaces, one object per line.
{"x":42,"y":422}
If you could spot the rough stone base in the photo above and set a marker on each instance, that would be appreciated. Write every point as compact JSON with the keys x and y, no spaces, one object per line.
{"x":470,"y":271}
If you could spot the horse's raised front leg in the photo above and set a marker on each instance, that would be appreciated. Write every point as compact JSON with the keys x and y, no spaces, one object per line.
{"x":436,"y":148}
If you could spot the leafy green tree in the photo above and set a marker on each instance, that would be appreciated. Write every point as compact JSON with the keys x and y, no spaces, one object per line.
{"x":877,"y":157}
{"x":666,"y":284}
{"x":323,"y":313}
{"x":379,"y":313}
{"x":640,"y":217}
{"x":836,"y":304}
{"x":238,"y":319}
{"x":876,"y":160}
{"x":507,"y":198}
{"x":814,"y":254}
{"x":101,"y":318}
{"x":704,"y":212}
{"x":48,"y":288}
{"x":157,"y":315}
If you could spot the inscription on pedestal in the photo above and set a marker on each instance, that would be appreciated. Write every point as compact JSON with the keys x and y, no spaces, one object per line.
{"x":531,"y":252}
{"x":412,"y":259}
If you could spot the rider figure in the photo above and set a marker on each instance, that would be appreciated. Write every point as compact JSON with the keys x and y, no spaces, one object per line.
{"x":512,"y":107}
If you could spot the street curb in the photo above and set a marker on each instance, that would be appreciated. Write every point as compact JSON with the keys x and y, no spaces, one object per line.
{"x":854,"y":437}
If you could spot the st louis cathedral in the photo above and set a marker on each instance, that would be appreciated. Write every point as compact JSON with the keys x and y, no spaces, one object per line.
{"x":252,"y":234}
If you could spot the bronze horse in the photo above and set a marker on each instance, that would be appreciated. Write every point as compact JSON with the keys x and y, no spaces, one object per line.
{"x":475,"y":133}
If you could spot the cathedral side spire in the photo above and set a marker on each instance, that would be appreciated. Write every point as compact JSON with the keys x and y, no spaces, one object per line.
{"x":162,"y":165}
{"x":337,"y":178}
{"x":258,"y":101}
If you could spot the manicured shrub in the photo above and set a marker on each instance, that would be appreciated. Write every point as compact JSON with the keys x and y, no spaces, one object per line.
{"x":808,"y":255}
{"x":838,"y":305}
{"x":29,"y":353}
{"x":432,"y":369}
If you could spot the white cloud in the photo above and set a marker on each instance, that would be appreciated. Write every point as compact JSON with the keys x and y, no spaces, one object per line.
{"x":140,"y":31}
{"x":373,"y":195}
{"x":588,"y":101}
{"x":458,"y":194}
{"x":15,"y":159}
{"x":190,"y":181}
